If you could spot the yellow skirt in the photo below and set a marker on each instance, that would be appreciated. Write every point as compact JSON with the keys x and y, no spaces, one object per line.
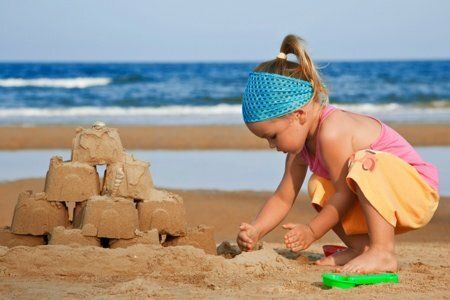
{"x":391,"y":185}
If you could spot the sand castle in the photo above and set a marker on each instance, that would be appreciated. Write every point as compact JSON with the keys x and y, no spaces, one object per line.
{"x":76,"y":207}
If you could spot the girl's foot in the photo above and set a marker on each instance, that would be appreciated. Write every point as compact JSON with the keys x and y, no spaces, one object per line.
{"x":372,"y":261}
{"x":339,"y":258}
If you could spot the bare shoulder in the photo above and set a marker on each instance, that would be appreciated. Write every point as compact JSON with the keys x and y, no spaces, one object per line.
{"x":336,"y":128}
{"x":344,"y":126}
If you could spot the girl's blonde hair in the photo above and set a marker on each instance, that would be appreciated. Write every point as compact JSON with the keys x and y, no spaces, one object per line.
{"x":303,"y":69}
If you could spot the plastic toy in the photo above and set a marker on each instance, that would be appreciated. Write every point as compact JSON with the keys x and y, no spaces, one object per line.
{"x":349,"y":281}
{"x":330,"y":249}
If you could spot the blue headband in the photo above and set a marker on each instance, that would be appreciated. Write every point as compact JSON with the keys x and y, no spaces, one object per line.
{"x":269,"y":96}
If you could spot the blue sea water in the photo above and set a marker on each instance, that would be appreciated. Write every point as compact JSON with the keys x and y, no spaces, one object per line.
{"x":207,"y":93}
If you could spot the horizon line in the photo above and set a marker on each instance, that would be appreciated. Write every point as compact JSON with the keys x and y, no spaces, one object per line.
{"x":239,"y":61}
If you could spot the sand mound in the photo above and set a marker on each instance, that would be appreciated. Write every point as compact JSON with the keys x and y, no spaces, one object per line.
{"x":155,"y":271}
{"x":100,"y":263}
{"x":152,"y":271}
{"x":89,"y":262}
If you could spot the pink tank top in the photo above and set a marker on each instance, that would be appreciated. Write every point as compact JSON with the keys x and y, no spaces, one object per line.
{"x":388,"y":141}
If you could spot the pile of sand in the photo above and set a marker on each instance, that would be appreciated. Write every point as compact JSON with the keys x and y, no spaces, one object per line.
{"x":155,"y":271}
{"x":152,"y":271}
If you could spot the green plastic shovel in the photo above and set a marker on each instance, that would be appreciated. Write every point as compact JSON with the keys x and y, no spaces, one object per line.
{"x":349,"y":281}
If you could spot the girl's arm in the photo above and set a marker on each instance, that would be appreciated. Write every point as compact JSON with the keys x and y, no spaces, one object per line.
{"x":336,"y":149}
{"x":279,"y":204}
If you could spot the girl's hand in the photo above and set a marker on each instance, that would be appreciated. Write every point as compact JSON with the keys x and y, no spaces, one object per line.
{"x":248,"y":237}
{"x":299,"y":236}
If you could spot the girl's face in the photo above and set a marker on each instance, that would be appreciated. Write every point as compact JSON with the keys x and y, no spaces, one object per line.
{"x":287,"y":134}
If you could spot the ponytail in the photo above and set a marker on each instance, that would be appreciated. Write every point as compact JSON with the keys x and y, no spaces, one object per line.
{"x":303,"y":69}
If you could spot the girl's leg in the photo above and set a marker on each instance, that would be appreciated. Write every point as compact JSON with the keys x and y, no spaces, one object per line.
{"x":380,"y":256}
{"x":320,"y":188}
{"x":356,"y":244}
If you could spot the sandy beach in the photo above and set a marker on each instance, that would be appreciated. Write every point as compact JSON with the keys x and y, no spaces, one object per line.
{"x":179,"y":272}
{"x":188,"y":137}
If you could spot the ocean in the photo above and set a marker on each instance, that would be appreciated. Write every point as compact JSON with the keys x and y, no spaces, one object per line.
{"x":207,"y":93}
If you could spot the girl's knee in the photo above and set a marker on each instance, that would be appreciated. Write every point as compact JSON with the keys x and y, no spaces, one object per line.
{"x":319,"y":185}
{"x":319,"y":190}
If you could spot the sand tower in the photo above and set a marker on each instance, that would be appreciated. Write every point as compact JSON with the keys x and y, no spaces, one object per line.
{"x":123,"y":209}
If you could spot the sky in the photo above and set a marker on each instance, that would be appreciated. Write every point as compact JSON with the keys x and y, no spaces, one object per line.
{"x":231,"y":30}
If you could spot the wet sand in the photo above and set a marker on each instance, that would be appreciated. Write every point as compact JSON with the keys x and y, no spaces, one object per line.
{"x":180,"y":272}
{"x":188,"y":137}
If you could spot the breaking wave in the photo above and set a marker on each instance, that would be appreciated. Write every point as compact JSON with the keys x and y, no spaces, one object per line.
{"x":68,"y":83}
{"x":189,"y":114}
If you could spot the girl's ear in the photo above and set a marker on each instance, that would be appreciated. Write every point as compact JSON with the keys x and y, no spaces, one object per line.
{"x":300,"y":115}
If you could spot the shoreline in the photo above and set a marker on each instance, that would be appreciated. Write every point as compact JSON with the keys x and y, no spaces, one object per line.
{"x":230,"y":208}
{"x":178,"y":137}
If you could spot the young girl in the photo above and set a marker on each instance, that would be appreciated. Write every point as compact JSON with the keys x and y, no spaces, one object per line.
{"x":368,"y":182}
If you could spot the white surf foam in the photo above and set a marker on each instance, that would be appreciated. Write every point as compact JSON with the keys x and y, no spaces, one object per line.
{"x":122,"y":111}
{"x":186,"y":114}
{"x":68,"y":83}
